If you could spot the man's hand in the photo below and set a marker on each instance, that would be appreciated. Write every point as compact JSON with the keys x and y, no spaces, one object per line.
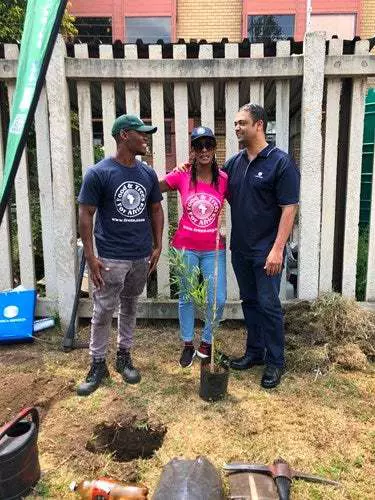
{"x":154,"y":259}
{"x":274,"y":262}
{"x":96,"y":267}
{"x":183,"y":167}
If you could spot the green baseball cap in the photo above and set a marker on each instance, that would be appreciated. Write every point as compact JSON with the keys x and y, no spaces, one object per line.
{"x":131,"y":122}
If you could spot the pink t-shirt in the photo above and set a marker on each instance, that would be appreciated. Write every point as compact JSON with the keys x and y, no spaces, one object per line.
{"x":201,"y":208}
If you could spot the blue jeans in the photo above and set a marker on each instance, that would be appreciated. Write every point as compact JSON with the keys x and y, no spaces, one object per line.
{"x":261,"y":308}
{"x":205,"y":260}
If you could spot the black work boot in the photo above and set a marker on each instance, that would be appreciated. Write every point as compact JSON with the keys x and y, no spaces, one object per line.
{"x":97,"y":373}
{"x":125,"y":366}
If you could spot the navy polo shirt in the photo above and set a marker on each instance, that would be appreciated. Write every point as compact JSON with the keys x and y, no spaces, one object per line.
{"x":256,"y":190}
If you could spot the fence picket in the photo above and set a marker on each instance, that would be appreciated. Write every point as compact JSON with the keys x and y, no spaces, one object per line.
{"x":207,"y":93}
{"x":43,"y":153}
{"x":231,"y":147}
{"x":108,"y":105}
{"x":158,"y":150}
{"x":311,"y":155}
{"x":329,"y":175}
{"x":132,"y":88}
{"x":84,"y":114}
{"x":181,"y":114}
{"x":353,"y":187}
{"x":6,"y":271}
{"x":282,"y":128}
{"x":63,"y":183}
{"x":23,"y":208}
{"x":257,"y":87}
{"x":86,"y":139}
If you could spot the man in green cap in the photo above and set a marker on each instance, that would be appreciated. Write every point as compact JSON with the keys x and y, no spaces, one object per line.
{"x":125,"y":196}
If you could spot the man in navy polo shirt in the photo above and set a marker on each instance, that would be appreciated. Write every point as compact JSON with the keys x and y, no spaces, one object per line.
{"x":264,"y":195}
{"x":125,"y":196}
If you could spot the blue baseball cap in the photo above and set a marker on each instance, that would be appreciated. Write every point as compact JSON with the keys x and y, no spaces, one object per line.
{"x":199,"y":132}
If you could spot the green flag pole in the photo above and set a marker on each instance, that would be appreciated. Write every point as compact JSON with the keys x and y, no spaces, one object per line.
{"x":42,"y":23}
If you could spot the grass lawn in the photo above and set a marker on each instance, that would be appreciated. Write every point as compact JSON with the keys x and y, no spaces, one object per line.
{"x":323,"y":424}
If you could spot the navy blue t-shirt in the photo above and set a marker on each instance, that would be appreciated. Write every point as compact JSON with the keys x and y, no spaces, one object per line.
{"x":256,"y":190}
{"x":122,"y":195}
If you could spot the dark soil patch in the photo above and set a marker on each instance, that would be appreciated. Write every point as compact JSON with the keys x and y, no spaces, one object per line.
{"x":128,"y":437}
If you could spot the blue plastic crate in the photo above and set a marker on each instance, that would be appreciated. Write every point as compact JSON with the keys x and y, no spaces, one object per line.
{"x":17,"y":315}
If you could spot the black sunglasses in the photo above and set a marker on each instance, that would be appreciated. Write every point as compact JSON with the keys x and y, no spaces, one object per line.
{"x":200,"y":144}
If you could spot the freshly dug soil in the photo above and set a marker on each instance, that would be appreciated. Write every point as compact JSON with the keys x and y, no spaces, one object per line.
{"x":130,"y":436}
{"x":331,"y":329}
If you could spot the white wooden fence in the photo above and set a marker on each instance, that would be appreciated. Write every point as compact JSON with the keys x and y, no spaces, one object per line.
{"x":318,"y":157}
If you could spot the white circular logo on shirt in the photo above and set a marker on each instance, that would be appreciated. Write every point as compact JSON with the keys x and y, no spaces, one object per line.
{"x":202,"y":209}
{"x":130,"y":199}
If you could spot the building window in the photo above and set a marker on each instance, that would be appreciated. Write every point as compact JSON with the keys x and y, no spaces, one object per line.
{"x":94,"y":29}
{"x":148,"y":29}
{"x":342,"y":25}
{"x":261,"y":28}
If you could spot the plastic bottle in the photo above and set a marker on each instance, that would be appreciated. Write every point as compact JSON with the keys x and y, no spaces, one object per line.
{"x":105,"y":488}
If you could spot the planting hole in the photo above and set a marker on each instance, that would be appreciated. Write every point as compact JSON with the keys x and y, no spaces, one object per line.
{"x":127,"y":438}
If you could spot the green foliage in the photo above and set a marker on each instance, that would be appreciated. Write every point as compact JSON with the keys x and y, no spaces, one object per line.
{"x":12,"y":17}
{"x":188,"y":282}
{"x":68,"y":30}
{"x":362,"y":263}
{"x":12,"y":14}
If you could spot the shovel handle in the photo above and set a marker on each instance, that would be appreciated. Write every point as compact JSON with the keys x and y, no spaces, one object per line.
{"x":30,"y":410}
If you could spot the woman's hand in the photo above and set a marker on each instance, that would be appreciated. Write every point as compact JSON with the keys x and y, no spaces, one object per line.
{"x":183,"y":167}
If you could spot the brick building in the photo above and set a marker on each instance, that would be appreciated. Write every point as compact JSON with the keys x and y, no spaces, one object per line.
{"x":169,"y":20}
{"x":367,"y":25}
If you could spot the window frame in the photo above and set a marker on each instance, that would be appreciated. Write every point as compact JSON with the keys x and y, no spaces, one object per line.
{"x":248,"y":19}
{"x":170,"y":18}
{"x":93,"y":38}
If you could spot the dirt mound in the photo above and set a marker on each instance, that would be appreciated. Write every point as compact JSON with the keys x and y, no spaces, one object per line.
{"x":331,"y":329}
{"x":27,"y":389}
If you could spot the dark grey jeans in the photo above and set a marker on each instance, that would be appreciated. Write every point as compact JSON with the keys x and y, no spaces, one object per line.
{"x":124,"y":282}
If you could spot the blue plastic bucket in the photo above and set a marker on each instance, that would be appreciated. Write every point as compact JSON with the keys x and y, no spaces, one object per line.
{"x":17,"y":315}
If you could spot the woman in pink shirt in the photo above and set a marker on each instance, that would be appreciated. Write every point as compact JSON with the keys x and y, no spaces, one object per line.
{"x":202,"y":189}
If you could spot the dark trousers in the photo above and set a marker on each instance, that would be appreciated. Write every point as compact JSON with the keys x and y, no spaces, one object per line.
{"x":261,"y":308}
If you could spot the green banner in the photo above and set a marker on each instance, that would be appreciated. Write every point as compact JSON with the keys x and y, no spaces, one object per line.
{"x":42,"y":22}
